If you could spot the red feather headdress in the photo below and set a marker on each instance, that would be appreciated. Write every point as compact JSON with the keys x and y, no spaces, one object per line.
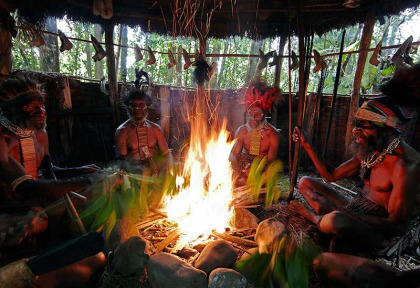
{"x":261,"y":99}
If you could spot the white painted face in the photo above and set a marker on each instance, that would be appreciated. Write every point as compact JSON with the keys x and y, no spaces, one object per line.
{"x":254,"y":117}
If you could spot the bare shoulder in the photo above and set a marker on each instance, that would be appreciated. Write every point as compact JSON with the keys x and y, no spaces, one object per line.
{"x":242,"y":130}
{"x":273,"y":131}
{"x":411,"y":156}
{"x":123,"y":128}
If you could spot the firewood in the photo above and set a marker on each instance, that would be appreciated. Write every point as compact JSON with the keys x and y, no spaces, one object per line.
{"x":235,"y":239}
{"x":171,"y":237}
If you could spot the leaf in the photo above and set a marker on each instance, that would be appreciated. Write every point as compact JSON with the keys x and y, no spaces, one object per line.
{"x":368,"y":76}
{"x":110,"y":223}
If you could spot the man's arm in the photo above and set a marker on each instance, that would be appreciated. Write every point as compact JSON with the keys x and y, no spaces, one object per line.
{"x":345,"y":170}
{"x":274,"y":145}
{"x":237,"y":147}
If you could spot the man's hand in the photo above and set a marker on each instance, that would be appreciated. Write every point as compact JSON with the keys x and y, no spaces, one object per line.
{"x":299,"y":135}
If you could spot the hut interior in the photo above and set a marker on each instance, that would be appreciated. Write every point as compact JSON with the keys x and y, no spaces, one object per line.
{"x":82,"y":119}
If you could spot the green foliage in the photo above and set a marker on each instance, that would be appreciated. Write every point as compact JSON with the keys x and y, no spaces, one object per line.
{"x":287,"y":265}
{"x":270,"y":175}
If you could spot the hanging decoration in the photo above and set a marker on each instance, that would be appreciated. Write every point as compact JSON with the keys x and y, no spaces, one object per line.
{"x":187,"y":60}
{"x":139,"y":56}
{"x":202,"y":71}
{"x":374,"y":58}
{"x":172,"y":61}
{"x":99,"y":51}
{"x":263,"y":59}
{"x":276,"y":59}
{"x":402,"y":57}
{"x":37,"y":39}
{"x":152,"y":59}
{"x":103,"y":8}
{"x":142,"y":79}
{"x":65,"y":42}
{"x":295,"y":61}
{"x":319,"y":62}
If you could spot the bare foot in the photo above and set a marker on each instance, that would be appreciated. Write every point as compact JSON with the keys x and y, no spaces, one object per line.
{"x":304,"y":211}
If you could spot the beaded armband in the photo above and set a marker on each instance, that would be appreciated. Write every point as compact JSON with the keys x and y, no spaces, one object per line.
{"x":19,"y":181}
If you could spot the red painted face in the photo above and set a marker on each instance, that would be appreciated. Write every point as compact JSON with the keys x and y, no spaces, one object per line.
{"x":364,"y":130}
{"x":137,"y":110}
{"x":35,"y":114}
{"x":255,"y":117}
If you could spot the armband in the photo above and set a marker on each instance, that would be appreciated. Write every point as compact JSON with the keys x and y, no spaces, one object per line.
{"x":19,"y":181}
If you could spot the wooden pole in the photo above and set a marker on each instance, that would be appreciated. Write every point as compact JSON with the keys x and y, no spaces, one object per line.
{"x":282,"y":44}
{"x":334,"y":96}
{"x":354,"y":101}
{"x":112,"y":75}
{"x":301,"y":96}
{"x":5,"y":47}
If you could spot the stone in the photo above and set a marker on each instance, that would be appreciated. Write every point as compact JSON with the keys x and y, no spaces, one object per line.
{"x":131,"y":256}
{"x":168,"y":271}
{"x":269,"y":231}
{"x":123,"y":229}
{"x":217,"y":254}
{"x":227,"y":278}
{"x":250,"y":253}
{"x":245,"y":219}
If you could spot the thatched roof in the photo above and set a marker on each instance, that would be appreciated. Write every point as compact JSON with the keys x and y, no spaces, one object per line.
{"x":227,"y":17}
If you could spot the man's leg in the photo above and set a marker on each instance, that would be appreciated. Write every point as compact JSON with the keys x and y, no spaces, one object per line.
{"x":350,"y":229}
{"x":320,"y":196}
{"x":341,"y":270}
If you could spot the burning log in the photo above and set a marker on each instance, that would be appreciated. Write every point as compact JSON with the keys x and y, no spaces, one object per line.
{"x":171,"y":237}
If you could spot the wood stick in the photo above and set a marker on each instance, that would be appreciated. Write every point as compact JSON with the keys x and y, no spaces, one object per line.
{"x":345,"y":189}
{"x":246,"y":206}
{"x":147,"y":224}
{"x":235,"y":239}
{"x":171,"y":237}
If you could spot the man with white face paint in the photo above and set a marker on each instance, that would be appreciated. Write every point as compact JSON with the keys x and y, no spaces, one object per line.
{"x":257,"y":138}
{"x":141,"y":143}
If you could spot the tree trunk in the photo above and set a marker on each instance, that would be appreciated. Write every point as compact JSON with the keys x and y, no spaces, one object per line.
{"x":348,"y":57}
{"x":252,"y":62}
{"x":49,"y":58}
{"x":225,"y":51}
{"x":99,"y":65}
{"x":88,"y":56}
{"x":216,"y":50}
{"x":124,"y":42}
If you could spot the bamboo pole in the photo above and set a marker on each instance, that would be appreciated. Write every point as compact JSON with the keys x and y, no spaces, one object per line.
{"x":334,"y":96}
{"x":112,"y":76}
{"x":301,"y":97}
{"x":354,"y":102}
{"x":235,"y":239}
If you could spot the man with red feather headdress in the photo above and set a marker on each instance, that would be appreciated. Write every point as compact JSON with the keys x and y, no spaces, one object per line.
{"x":256,"y":138}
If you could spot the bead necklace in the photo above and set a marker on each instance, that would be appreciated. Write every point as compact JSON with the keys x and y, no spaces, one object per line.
{"x":14,"y":128}
{"x":378,"y":158}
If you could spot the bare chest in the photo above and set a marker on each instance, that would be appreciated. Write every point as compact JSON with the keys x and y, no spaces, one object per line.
{"x":19,"y":149}
{"x":264,"y":141}
{"x":135,"y":138}
{"x":378,"y":184}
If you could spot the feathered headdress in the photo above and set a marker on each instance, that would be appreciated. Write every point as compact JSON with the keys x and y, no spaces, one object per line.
{"x":262,"y":98}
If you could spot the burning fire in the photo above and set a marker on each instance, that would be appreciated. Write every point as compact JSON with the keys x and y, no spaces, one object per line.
{"x":203,"y":204}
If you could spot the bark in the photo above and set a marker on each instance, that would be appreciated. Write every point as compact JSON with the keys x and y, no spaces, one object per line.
{"x":49,"y":58}
{"x":124,"y":42}
{"x":88,"y":56}
{"x":252,"y":62}
{"x":99,"y":65}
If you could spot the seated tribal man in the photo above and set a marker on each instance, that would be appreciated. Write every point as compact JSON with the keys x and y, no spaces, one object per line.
{"x":26,"y":173}
{"x":140,"y":142}
{"x":257,"y":137}
{"x":388,"y":166}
